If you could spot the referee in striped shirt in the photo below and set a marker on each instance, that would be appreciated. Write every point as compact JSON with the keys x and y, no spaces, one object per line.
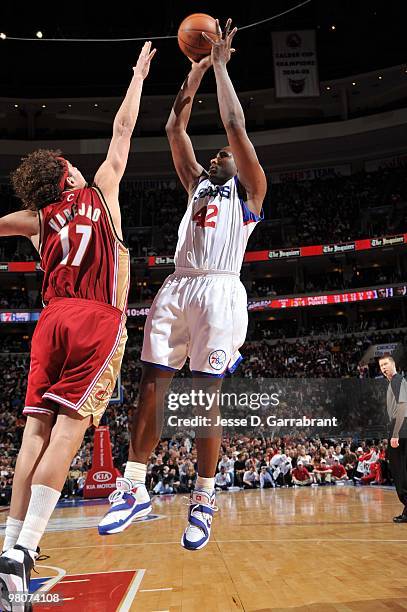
{"x":397,"y":411}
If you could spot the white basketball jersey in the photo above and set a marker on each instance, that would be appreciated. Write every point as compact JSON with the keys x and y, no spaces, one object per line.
{"x":214,"y":231}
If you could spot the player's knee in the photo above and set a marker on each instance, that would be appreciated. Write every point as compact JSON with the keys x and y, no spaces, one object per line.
{"x":37,"y":429}
{"x":68,"y":438}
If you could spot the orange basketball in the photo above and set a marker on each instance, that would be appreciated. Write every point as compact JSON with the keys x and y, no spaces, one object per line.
{"x":190,"y":39}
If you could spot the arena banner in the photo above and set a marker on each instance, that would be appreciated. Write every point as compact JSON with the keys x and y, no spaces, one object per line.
{"x":396,"y":161}
{"x":301,"y":251}
{"x":344,"y":297}
{"x":157,"y":260}
{"x":295,"y":64}
{"x":257,"y":304}
{"x":311,"y":174}
{"x":101,"y":478}
{"x":20,"y":266}
{"x":385,"y":349}
{"x":339,"y":248}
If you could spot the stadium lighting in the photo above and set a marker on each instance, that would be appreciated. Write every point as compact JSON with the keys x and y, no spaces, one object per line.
{"x":353,"y":83}
{"x":39,"y":34}
{"x":328,"y":88}
{"x":333,"y":27}
{"x":3,"y":36}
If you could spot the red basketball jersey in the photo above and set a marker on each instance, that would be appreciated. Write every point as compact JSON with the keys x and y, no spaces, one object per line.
{"x":81,"y":255}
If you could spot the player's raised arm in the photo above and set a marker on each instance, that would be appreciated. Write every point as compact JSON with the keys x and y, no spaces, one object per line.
{"x":186,"y":165}
{"x":21,"y":223}
{"x":111,"y":171}
{"x":250,"y":173}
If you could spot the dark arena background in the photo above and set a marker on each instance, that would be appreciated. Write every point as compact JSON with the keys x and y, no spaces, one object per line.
{"x":326,"y":280}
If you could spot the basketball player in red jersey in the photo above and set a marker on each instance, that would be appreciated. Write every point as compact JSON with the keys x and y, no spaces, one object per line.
{"x":78,"y":344}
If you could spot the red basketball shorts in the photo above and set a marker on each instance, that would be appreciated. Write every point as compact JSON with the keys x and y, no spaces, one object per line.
{"x":76,"y":354}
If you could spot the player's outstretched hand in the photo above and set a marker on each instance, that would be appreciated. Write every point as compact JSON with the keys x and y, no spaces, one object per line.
{"x":394,"y":442}
{"x":203,"y":64}
{"x":143,"y":63}
{"x":222,"y":44}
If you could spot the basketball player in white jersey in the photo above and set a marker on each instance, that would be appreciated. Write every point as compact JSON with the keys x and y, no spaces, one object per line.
{"x":200,"y":311}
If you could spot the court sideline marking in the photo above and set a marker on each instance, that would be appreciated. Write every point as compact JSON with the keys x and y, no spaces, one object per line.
{"x":132,"y":591}
{"x":367,"y":540}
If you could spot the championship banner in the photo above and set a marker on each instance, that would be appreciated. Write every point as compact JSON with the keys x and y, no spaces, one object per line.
{"x":295,"y":64}
{"x":311,"y":174}
{"x":101,"y":478}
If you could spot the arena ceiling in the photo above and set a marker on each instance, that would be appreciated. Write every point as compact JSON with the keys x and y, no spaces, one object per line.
{"x":352,"y":37}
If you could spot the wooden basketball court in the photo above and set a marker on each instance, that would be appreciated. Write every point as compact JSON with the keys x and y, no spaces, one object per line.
{"x":315,"y":550}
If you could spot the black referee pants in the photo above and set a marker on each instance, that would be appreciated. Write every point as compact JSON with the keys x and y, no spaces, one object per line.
{"x":398,"y":467}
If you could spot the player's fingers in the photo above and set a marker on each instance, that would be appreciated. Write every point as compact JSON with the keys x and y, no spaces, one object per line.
{"x":143,"y":51}
{"x":227,"y":27}
{"x":218,"y":29}
{"x":232,"y":34}
{"x":208,"y":38}
{"x":153,"y":52}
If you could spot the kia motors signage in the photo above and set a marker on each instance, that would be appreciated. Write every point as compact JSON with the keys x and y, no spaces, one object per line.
{"x":101,"y":478}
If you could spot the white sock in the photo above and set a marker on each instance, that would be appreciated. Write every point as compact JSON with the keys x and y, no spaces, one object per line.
{"x":42,"y":503}
{"x":207,"y":484}
{"x":13,"y":528}
{"x":136,"y":472}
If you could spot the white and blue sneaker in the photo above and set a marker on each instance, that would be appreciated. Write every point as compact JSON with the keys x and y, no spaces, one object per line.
{"x":200,"y":515}
{"x":129,"y":503}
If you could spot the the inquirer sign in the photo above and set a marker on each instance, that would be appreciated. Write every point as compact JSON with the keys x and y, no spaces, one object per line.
{"x":339,"y":248}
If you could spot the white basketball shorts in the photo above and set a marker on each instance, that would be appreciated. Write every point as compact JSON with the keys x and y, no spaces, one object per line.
{"x":202,"y":316}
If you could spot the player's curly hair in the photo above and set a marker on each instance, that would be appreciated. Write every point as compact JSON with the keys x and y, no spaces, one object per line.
{"x":36,"y":180}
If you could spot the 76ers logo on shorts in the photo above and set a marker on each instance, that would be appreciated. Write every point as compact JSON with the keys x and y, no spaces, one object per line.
{"x":217,"y":359}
